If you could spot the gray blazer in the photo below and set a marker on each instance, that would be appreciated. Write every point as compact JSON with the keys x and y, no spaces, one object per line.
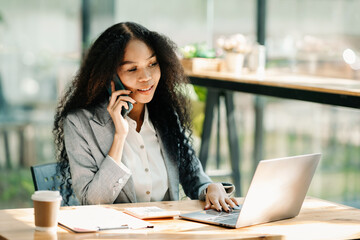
{"x":96,"y":178}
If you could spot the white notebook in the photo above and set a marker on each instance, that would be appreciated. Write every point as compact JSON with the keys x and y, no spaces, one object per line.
{"x":96,"y":218}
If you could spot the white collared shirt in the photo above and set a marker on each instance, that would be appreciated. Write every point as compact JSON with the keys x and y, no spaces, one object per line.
{"x":145,"y":161}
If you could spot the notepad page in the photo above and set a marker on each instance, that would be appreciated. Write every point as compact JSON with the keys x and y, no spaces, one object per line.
{"x":95,"y":218}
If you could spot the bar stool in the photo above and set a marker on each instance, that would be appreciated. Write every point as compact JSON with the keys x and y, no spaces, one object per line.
{"x":212,"y":101}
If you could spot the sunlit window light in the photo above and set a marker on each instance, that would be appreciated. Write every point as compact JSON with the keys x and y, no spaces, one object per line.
{"x":349,"y":56}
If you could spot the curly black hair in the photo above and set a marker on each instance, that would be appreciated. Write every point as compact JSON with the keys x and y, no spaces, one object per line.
{"x":169,"y":110}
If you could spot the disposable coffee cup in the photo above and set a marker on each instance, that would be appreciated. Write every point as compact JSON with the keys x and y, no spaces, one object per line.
{"x":46,"y":208}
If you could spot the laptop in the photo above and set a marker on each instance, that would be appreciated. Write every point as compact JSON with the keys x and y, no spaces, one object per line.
{"x":277,"y":191}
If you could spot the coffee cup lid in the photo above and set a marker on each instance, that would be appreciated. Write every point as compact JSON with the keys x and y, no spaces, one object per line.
{"x":46,"y":196}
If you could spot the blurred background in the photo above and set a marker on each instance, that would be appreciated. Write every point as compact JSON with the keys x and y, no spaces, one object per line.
{"x":42,"y":42}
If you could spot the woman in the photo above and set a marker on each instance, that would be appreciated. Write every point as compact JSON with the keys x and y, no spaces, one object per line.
{"x":142,"y":156}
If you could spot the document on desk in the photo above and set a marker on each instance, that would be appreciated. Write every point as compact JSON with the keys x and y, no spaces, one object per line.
{"x":97,"y":218}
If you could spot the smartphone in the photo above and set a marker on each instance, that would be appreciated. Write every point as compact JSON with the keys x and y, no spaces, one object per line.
{"x":119,"y":86}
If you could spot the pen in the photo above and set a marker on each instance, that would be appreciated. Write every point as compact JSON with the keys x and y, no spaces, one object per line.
{"x":112,"y":228}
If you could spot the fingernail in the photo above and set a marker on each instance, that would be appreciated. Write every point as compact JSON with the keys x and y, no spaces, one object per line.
{"x":206,"y":208}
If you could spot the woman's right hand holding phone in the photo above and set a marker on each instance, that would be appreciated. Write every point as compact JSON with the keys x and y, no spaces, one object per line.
{"x":118,"y":100}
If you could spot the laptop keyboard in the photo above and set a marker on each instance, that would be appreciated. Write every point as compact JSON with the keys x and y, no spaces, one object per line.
{"x":223,"y":217}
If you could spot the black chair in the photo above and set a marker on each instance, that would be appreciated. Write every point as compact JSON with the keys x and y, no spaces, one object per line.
{"x":46,"y":177}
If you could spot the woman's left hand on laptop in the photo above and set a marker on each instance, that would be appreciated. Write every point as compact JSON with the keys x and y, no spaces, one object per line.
{"x":217,"y":197}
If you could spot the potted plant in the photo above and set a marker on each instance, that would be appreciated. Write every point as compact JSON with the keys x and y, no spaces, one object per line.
{"x":235,"y":47}
{"x":199,"y":57}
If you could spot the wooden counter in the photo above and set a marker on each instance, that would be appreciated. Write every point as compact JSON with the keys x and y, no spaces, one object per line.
{"x":334,"y":91}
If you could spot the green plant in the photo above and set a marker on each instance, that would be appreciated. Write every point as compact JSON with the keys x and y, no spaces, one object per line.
{"x":16,"y":188}
{"x":198,"y":113}
{"x":200,"y":50}
{"x":201,"y":93}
